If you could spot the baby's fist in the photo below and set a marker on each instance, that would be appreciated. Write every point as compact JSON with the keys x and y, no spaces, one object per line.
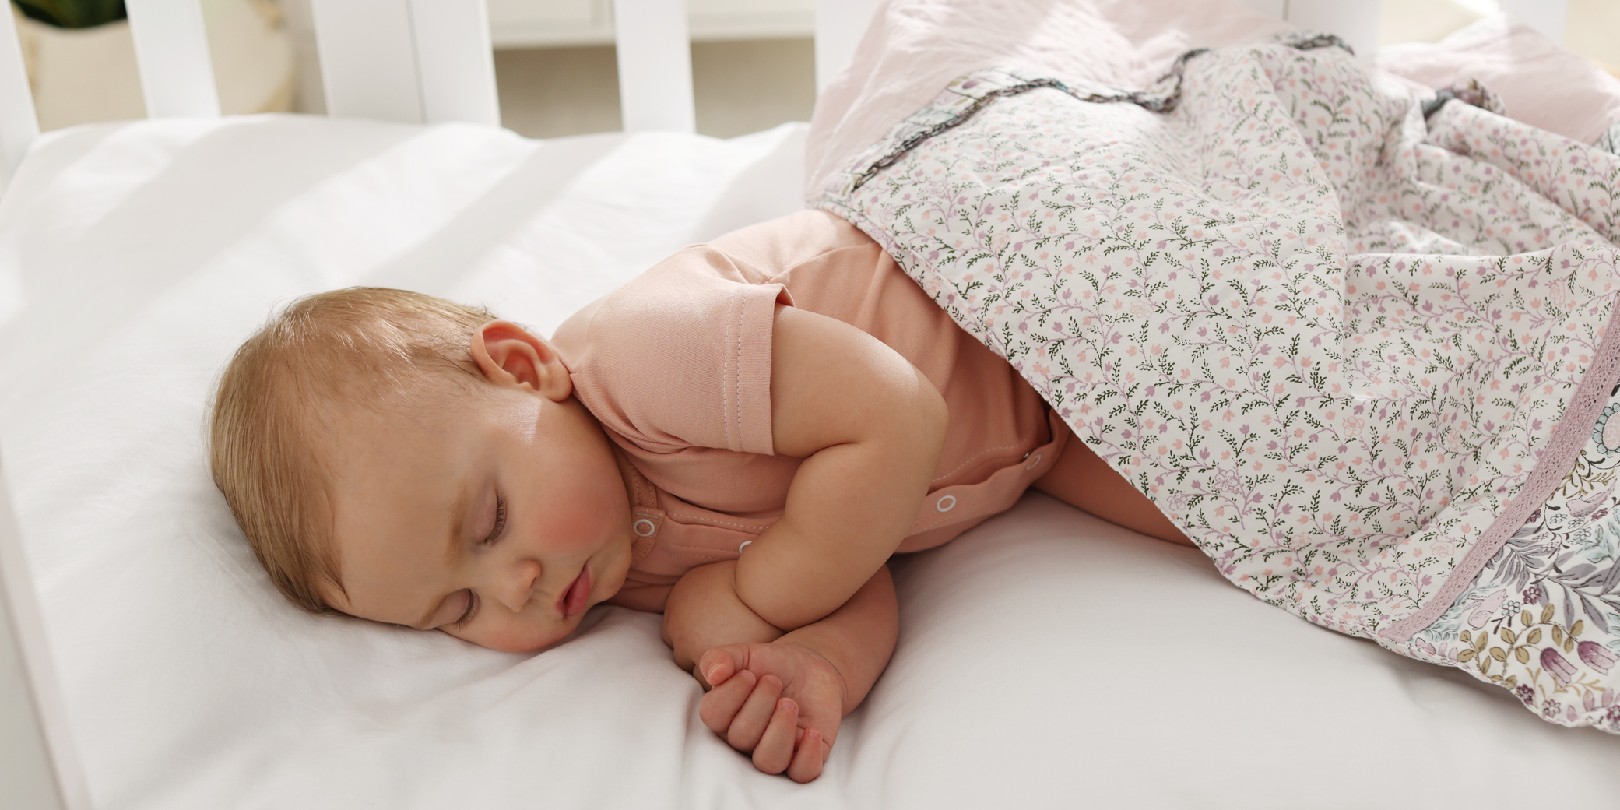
{"x":782,"y":703}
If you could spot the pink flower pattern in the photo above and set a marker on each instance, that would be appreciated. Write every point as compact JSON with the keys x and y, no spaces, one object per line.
{"x":1330,"y":336}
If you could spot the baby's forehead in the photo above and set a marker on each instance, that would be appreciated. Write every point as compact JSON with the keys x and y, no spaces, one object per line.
{"x":391,"y":407}
{"x":384,"y":455}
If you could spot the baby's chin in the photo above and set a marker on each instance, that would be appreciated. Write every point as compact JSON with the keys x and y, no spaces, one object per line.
{"x":525,"y":644}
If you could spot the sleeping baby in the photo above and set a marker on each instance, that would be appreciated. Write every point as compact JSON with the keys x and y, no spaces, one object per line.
{"x":1361,"y":343}
{"x":740,"y":438}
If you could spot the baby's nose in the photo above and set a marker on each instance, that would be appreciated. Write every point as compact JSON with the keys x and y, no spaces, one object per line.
{"x":518,"y":587}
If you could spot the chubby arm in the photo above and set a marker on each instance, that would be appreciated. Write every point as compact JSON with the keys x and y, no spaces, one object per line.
{"x":869,"y":426}
{"x":858,"y":639}
{"x":704,"y":611}
{"x":781,"y":701}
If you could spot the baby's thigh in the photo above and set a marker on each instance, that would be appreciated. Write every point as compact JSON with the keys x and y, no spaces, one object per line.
{"x":1086,"y":482}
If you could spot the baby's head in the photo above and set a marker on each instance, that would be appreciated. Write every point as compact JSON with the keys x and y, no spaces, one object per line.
{"x":411,"y":460}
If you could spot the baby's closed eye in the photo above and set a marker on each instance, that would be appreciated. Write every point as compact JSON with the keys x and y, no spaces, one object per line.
{"x":468,"y":612}
{"x":499,"y":523}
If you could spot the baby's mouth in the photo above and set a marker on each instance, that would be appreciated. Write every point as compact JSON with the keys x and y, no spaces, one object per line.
{"x":578,"y":596}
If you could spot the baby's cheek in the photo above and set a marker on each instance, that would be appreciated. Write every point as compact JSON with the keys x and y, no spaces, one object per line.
{"x":583,"y":526}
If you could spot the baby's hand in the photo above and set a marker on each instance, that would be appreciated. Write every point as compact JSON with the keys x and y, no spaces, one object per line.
{"x":782,"y":702}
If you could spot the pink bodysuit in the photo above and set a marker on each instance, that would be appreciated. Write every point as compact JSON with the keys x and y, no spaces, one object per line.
{"x":677,"y":367}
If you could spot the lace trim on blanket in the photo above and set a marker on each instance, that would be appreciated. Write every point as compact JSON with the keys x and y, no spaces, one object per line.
{"x":1555,"y":463}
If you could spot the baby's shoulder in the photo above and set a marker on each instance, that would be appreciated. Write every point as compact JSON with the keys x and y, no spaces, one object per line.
{"x":679,"y":287}
{"x":662,"y":360}
{"x":686,"y":317}
{"x":691,"y":290}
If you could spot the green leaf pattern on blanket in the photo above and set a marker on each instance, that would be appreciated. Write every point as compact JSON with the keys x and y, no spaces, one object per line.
{"x":1329,"y":336}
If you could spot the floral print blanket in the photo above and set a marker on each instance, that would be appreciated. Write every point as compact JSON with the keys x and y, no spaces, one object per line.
{"x":1354,"y":340}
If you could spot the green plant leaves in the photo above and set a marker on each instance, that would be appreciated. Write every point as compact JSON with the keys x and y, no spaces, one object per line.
{"x":73,"y":13}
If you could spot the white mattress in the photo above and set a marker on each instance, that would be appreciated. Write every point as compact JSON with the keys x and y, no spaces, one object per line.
{"x":134,"y":258}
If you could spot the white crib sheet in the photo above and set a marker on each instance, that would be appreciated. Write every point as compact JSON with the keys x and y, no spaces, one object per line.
{"x":134,"y":258}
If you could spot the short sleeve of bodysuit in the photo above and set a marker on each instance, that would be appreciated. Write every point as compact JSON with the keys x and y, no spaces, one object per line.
{"x":687,"y":341}
{"x":676,"y":365}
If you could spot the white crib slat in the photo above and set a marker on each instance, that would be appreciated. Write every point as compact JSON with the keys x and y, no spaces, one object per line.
{"x":19,"y":125}
{"x":368,"y":59}
{"x":839,"y":26}
{"x":1354,"y":21}
{"x":655,"y":65}
{"x":455,"y":61}
{"x":41,"y":768}
{"x":171,"y":52}
{"x":1547,"y":17}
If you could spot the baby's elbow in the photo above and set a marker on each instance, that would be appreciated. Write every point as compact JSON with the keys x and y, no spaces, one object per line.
{"x":704,"y":610}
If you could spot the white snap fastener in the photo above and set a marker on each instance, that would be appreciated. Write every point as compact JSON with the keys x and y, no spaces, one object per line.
{"x":946,"y":503}
{"x":743,"y":545}
{"x":644,"y":528}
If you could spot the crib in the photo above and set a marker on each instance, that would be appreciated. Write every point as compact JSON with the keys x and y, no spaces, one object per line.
{"x":146,"y":662}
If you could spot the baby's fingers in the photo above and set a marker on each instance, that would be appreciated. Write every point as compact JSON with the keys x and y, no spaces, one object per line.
{"x":720,"y":705}
{"x":774,"y":752}
{"x":748,"y":726}
{"x":718,"y":664}
{"x":810,"y":758}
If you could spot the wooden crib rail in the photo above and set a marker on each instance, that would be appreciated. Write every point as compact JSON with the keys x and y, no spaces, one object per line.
{"x":655,"y":65}
{"x":415,"y":61}
{"x":171,"y":54}
{"x":428,"y":61}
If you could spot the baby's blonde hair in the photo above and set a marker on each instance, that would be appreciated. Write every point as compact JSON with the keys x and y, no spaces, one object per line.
{"x":341,"y":349}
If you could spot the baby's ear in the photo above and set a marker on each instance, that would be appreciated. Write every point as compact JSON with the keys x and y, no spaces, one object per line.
{"x":509,"y":355}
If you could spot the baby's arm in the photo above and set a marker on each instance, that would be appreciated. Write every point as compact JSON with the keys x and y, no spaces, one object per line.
{"x":869,"y":426}
{"x":703,"y":611}
{"x":781,"y":701}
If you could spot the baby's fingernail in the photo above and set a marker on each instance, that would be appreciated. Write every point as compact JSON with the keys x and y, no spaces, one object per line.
{"x":786,"y":705}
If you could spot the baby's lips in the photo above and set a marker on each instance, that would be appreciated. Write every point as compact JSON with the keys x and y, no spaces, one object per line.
{"x":578,"y":596}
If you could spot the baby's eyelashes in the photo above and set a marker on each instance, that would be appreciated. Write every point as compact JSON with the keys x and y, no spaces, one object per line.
{"x":499,"y":523}
{"x":469,"y":612}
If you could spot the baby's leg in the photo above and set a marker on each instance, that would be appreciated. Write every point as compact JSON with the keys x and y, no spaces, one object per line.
{"x":1086,"y":482}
